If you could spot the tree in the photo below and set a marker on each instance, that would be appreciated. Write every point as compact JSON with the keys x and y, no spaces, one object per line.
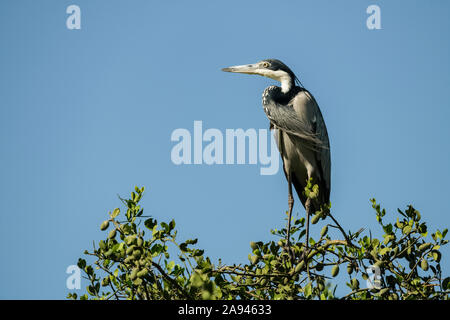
{"x":142,"y":259}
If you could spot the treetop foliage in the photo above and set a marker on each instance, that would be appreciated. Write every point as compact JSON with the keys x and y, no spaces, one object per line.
{"x":141,"y":258}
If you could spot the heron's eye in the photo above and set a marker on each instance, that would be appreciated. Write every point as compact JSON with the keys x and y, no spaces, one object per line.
{"x":266,"y":64}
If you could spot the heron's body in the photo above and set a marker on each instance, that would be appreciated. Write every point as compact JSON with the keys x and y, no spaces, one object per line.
{"x":303,"y":157}
{"x":300,"y":131}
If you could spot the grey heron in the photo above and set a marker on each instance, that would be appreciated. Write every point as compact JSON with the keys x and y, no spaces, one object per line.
{"x":300,"y":132}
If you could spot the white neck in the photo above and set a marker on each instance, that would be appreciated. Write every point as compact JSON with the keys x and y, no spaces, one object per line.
{"x":286,"y":84}
{"x":279,"y":75}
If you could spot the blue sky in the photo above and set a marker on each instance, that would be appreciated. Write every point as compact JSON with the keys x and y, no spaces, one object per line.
{"x":88,"y":114}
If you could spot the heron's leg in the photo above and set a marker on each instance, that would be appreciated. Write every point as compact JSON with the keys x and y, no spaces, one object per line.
{"x":306,"y":251}
{"x":291,"y":205}
{"x":308,"y":213}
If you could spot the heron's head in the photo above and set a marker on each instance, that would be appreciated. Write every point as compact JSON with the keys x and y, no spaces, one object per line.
{"x":270,"y":68}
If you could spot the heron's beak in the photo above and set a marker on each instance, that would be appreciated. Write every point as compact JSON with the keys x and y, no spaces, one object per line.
{"x":246,"y":68}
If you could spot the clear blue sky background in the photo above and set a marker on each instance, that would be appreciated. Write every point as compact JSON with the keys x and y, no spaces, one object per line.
{"x":87,"y":114}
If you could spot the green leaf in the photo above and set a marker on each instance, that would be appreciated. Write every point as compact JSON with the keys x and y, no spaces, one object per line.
{"x":446,"y":283}
{"x":354,"y":284}
{"x":324,"y":231}
{"x":349,"y":268}
{"x":150,"y":223}
{"x":299,"y":266}
{"x":172,"y":224}
{"x":102,"y":244}
{"x":142,"y":273}
{"x":112,"y":234}
{"x":424,"y":264}
{"x":436,"y":255}
{"x":417,"y":215}
{"x":105,"y":281}
{"x":315,"y":219}
{"x":115,"y":213}
{"x":129,"y":240}
{"x":104,"y":225}
{"x":383,"y":291}
{"x":91,"y":290}
{"x":388,"y":228}
{"x":425,"y":246}
{"x":133,"y":274}
{"x":81,"y":263}
{"x":191,"y":241}
{"x":165,"y":226}
{"x":335,"y":271}
{"x":170,"y":265}
{"x":406,"y":230}
{"x":308,"y":290}
{"x":254,"y":259}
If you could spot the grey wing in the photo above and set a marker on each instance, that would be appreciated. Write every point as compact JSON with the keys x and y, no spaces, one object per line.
{"x":323,"y":155}
{"x":296,"y":123}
